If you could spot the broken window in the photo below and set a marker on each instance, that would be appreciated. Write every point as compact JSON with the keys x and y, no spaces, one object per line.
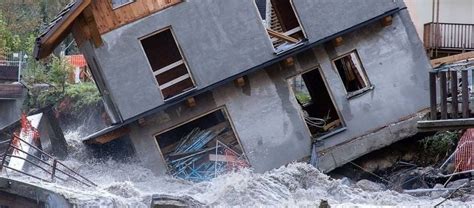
{"x":119,"y":3}
{"x":352,"y":73}
{"x":167,"y":63}
{"x":316,"y":103}
{"x":281,"y":22}
{"x":202,"y":148}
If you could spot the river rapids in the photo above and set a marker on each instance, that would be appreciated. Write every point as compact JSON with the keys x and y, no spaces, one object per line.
{"x":127,"y":184}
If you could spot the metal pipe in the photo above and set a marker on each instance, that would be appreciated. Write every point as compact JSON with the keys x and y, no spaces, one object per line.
{"x":41,"y":179}
{"x":76,"y":173}
{"x":39,"y":159}
{"x":34,"y":164}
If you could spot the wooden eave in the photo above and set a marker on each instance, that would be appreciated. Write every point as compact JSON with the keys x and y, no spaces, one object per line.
{"x":56,"y":33}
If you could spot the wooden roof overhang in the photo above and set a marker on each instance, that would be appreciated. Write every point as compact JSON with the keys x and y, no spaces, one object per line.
{"x":59,"y":29}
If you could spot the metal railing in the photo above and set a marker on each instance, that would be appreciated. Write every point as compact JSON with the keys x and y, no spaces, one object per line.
{"x":12,"y":65}
{"x":48,"y":164}
{"x":449,"y":36}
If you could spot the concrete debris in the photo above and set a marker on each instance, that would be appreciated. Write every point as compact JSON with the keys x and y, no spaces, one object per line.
{"x":367,"y":185}
{"x":167,"y":201}
{"x":458,"y":183}
{"x":439,"y":193}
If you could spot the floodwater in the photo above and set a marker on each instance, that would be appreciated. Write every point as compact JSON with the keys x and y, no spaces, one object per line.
{"x":127,"y":184}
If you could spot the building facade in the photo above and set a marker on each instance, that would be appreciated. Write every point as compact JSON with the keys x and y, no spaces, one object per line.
{"x":258,"y":82}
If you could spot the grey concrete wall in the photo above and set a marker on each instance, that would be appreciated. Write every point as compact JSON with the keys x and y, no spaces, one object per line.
{"x":396,"y":65}
{"x":10,"y":110}
{"x":21,"y":189}
{"x":323,"y":18}
{"x":264,"y":115}
{"x":269,"y":124}
{"x":218,"y":39}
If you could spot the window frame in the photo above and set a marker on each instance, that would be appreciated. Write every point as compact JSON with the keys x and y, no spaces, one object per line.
{"x":270,"y":38}
{"x":331,"y":96}
{"x":183,"y":60}
{"x":358,"y":92}
{"x":121,"y":5}
{"x":223,"y":109}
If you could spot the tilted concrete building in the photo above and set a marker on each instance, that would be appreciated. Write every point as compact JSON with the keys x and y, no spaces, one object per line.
{"x":257,"y":82}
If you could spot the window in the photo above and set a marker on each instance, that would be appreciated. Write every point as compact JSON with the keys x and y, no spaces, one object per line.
{"x":352,"y":73}
{"x":119,"y":3}
{"x":281,"y":22}
{"x":167,"y":63}
{"x":316,"y":104}
{"x":202,"y":148}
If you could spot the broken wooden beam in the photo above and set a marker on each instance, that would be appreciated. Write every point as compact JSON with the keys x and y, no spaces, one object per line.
{"x":452,"y":59}
{"x":282,"y":36}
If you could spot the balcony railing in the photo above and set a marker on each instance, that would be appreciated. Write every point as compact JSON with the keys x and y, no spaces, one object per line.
{"x":449,"y":36}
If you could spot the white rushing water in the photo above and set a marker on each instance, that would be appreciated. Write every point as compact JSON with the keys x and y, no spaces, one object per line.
{"x":296,"y":185}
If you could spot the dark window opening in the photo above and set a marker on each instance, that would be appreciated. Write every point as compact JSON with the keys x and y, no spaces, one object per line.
{"x":167,"y":63}
{"x":352,"y":73}
{"x":281,"y":22}
{"x":203,"y":148}
{"x":318,"y":108}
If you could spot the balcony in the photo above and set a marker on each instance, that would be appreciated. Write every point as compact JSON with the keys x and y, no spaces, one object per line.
{"x":443,"y":39}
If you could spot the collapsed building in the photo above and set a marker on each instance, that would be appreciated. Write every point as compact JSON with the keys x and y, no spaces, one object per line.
{"x":199,"y":87}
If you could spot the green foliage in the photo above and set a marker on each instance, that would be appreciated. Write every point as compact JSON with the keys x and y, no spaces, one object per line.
{"x":70,"y":98}
{"x":303,"y":97}
{"x":440,"y":144}
{"x":83,"y":95}
{"x":57,"y":75}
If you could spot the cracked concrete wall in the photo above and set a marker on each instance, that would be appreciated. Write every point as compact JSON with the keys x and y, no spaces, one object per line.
{"x":215,"y":36}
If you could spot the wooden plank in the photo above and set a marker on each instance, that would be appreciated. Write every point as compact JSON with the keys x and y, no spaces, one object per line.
{"x":444,"y":95}
{"x":433,"y":103}
{"x":174,"y":81}
{"x":454,"y":94}
{"x":465,"y":94}
{"x":109,"y":19}
{"x":332,"y":124}
{"x":452,"y":59}
{"x":169,"y":67}
{"x":281,"y":36}
{"x":106,"y":138}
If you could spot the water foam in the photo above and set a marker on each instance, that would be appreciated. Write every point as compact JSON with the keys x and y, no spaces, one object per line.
{"x":127,"y":184}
